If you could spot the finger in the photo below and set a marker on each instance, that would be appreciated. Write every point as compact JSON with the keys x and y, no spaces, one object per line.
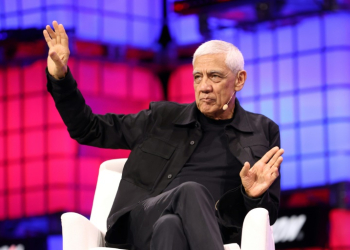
{"x":274,"y":174}
{"x":245,"y":169}
{"x":63,"y":35}
{"x":274,"y":170}
{"x":51,"y":32}
{"x":275,"y":157}
{"x":269,"y":154}
{"x":56,"y":59}
{"x":47,"y":38}
{"x":55,"y":25}
{"x":278,"y":162}
{"x":58,"y":36}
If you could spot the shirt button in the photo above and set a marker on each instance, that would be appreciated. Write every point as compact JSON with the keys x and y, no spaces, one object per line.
{"x":192,"y":142}
{"x":169,"y":176}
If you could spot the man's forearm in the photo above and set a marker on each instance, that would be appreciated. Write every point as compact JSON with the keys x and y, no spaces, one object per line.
{"x":84,"y":126}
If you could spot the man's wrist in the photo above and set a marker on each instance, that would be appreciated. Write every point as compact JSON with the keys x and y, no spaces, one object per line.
{"x":59,"y":77}
{"x":61,"y":85}
{"x":245,"y":193}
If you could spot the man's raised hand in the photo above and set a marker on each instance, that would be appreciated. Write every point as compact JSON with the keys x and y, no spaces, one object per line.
{"x":57,"y":40}
{"x":258,"y":179}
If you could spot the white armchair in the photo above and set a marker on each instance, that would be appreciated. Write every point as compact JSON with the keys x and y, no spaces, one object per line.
{"x":80,"y":233}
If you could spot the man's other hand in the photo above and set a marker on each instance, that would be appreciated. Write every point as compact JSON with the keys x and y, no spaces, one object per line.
{"x":258,"y":179}
{"x":57,"y":40}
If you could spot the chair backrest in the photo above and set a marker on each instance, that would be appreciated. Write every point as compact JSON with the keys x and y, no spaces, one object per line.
{"x":107,"y":185}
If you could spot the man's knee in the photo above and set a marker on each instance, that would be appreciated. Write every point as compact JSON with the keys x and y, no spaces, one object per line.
{"x":168,"y":233}
{"x":194,"y":190}
{"x":166,"y":223}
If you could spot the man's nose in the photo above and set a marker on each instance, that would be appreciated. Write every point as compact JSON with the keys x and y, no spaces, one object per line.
{"x":205,"y":85}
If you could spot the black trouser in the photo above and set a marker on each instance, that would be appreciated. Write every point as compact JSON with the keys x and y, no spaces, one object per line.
{"x":182,"y":218}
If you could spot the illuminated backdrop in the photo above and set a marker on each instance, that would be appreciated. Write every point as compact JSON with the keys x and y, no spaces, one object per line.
{"x":298,"y":75}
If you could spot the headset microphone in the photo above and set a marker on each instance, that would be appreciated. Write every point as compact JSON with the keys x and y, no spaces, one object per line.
{"x":226,"y":105}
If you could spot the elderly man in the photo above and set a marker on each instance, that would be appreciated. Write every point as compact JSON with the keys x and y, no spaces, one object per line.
{"x":194,"y":170}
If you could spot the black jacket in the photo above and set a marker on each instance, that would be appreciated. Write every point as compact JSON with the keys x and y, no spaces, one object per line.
{"x":161,"y":140}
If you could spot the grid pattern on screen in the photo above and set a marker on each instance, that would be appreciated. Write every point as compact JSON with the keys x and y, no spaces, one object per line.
{"x":298,"y":75}
{"x":132,"y":22}
{"x":42,"y":170}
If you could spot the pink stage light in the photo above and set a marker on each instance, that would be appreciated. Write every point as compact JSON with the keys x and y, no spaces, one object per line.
{"x":43,"y":170}
{"x":339,"y":229}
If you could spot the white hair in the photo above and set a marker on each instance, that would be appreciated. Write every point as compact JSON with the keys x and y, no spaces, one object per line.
{"x":234,"y":58}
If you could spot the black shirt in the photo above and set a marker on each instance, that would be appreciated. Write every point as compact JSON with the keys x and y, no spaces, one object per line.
{"x":211,"y":164}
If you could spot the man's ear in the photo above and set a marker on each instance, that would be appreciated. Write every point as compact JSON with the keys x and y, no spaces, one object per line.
{"x":240,"y":80}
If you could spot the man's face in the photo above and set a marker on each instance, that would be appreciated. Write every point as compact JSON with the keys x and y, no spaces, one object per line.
{"x":213,"y":84}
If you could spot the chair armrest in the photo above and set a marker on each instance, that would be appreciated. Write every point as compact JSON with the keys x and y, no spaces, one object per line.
{"x":257,"y":232}
{"x":79,"y":233}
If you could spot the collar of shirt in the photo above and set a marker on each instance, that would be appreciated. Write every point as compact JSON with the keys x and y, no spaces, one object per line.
{"x":240,"y":120}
